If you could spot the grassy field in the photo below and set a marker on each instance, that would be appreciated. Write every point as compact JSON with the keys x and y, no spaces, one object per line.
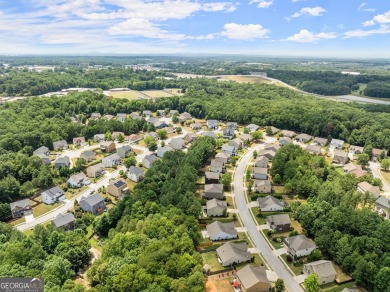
{"x":174,"y":91}
{"x":156,"y":93}
{"x":386,"y":175}
{"x":43,"y":208}
{"x":211,"y":259}
{"x":130,"y":95}
{"x":296,"y":270}
{"x":19,"y":221}
{"x":362,"y":87}
{"x":333,"y":287}
{"x":279,"y":189}
{"x":245,"y":79}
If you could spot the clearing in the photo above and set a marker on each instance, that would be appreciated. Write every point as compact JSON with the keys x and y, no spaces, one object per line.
{"x":156,"y":93}
{"x":130,"y":95}
{"x":245,"y":79}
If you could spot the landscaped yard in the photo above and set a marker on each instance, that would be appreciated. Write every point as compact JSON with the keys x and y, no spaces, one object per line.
{"x":211,"y":259}
{"x":385,"y":175}
{"x":333,"y":287}
{"x":259,"y":220}
{"x":275,"y":244}
{"x":296,"y":270}
{"x":19,"y":221}
{"x":43,"y":208}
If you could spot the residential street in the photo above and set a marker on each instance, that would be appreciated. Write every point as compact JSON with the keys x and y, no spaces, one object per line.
{"x":374,"y":167}
{"x":276,"y":265}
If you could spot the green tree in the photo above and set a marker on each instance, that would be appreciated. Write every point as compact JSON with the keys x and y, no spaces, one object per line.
{"x":316,"y":255}
{"x":101,"y":225}
{"x":120,"y":138}
{"x":162,"y":134}
{"x":382,"y":155}
{"x":279,"y":285}
{"x":363,"y":159}
{"x":277,"y":179}
{"x":178,"y":130}
{"x":368,"y":150}
{"x":108,"y":136}
{"x":226,"y":181}
{"x":258,"y":135}
{"x":382,"y":280}
{"x":175,"y":118}
{"x":152,"y":146}
{"x":312,"y":283}
{"x":57,"y":270}
{"x":81,"y":163}
{"x":255,"y":154}
{"x":130,"y":161}
{"x":5,"y":212}
{"x":385,"y":164}
{"x":148,"y":140}
{"x":268,"y":131}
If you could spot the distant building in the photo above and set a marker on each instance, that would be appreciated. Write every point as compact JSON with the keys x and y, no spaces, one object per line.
{"x":270,"y":203}
{"x":60,"y":145}
{"x":279,"y":223}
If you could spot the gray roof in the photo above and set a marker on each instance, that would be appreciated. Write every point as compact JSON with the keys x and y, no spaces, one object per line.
{"x":78,"y":177}
{"x":287,"y":133}
{"x":212,"y":175}
{"x":214,"y":188}
{"x":216,"y":203}
{"x":113,"y":157}
{"x":227,"y":148}
{"x":259,"y":183}
{"x":151,"y":158}
{"x":63,"y":219}
{"x":299,"y":242}
{"x":253,"y":127}
{"x":88,"y":153}
{"x":196,"y":125}
{"x":21,"y":204}
{"x":60,"y":143}
{"x":41,"y":150}
{"x":93,"y":200}
{"x":313,"y":149}
{"x":217,"y":227}
{"x":259,"y":170}
{"x":230,"y":250}
{"x":126,"y":148}
{"x":177,"y":143}
{"x":383,"y":201}
{"x":321,"y":141}
{"x":97,"y":167}
{"x":322,"y":268}
{"x":100,"y":136}
{"x":340,"y":153}
{"x":269,"y":200}
{"x":222,"y":155}
{"x":215,"y":163}
{"x":337,"y":143}
{"x":249,"y":276}
{"x":262,"y":159}
{"x":210,"y":134}
{"x":53,"y":191}
{"x":136,"y":170}
{"x":367,"y":187}
{"x":121,"y":115}
{"x":280,"y":219}
{"x":212,"y":123}
{"x":304,"y":137}
{"x":228,"y":131}
{"x":63,"y":160}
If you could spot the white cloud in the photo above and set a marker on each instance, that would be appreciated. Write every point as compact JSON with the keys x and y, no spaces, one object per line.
{"x":305,"y":36}
{"x":219,"y":6}
{"x":380,"y":19}
{"x":244,"y":31}
{"x":361,"y":8}
{"x":315,"y":11}
{"x":294,"y":1}
{"x":384,"y":29}
{"x":262,"y":3}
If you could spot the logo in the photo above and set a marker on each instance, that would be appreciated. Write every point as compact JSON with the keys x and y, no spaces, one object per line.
{"x":21,"y":284}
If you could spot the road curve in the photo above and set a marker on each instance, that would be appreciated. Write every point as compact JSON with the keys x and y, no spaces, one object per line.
{"x":275,"y":264}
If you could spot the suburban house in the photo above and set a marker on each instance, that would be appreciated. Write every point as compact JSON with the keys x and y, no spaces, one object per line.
{"x":340,"y":157}
{"x":152,"y":120}
{"x":270,"y":203}
{"x":314,"y":149}
{"x":79,"y":141}
{"x":262,"y":162}
{"x":135,"y":173}
{"x":285,"y":140}
{"x":117,"y":188}
{"x":210,"y":134}
{"x":233,"y":125}
{"x":99,"y":138}
{"x":88,"y":155}
{"x":364,"y":187}
{"x":64,"y":221}
{"x":216,"y":208}
{"x":356,"y":149}
{"x":221,"y":231}
{"x":217,"y":166}
{"x":177,"y":143}
{"x":134,"y":115}
{"x":212,"y":177}
{"x":149,"y":160}
{"x":112,"y":160}
{"x":183,"y":118}
{"x":169,"y":130}
{"x":229,"y":150}
{"x":162,"y":150}
{"x":270,"y":154}
{"x":323,"y":269}
{"x":107,"y":146}
{"x":115,"y":135}
{"x":212,"y":124}
{"x":60,"y":145}
{"x":121,"y":117}
{"x":230,"y":253}
{"x":21,"y":208}
{"x":320,"y":141}
{"x":108,"y":117}
{"x":196,"y":126}
{"x":173,"y":112}
{"x":42,"y":151}
{"x":94,"y":204}
{"x":62,"y":162}
{"x":154,"y":135}
{"x":252,"y":128}
{"x":53,"y":195}
{"x":279,"y":223}
{"x":133,"y":138}
{"x":274,"y":130}
{"x":213,"y":191}
{"x":236,"y":143}
{"x":259,"y":173}
{"x":189,"y":137}
{"x":96,"y":116}
{"x":45,"y":160}
{"x":95,"y":170}
{"x":288,"y":134}
{"x":303,"y":138}
{"x":246,"y":138}
{"x":146,"y":113}
{"x":350,"y":167}
{"x":382,"y":207}
{"x":124,"y":151}
{"x":336,"y":144}
{"x":376,"y":152}
{"x":299,"y":246}
{"x":228,"y":133}
{"x":253,"y":279}
{"x":78,"y":180}
{"x":272,"y":147}
{"x":222,"y":157}
{"x":262,"y":186}
{"x":161,"y":113}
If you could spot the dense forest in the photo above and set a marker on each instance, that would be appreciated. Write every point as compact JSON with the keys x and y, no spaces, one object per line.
{"x":355,"y":238}
{"x":333,"y":83}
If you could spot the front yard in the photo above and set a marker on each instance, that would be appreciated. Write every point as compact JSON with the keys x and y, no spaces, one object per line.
{"x":297,"y":270}
{"x":43,"y":208}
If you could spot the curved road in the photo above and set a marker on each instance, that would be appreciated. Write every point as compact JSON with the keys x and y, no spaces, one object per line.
{"x":276,"y":265}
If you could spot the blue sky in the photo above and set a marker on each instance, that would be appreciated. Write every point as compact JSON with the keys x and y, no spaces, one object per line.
{"x":339,"y":28}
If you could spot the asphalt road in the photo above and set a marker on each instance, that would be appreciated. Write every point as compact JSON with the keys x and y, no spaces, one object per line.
{"x":275,"y":264}
{"x":374,"y":167}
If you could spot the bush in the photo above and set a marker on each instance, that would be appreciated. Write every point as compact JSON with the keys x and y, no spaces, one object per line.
{"x":289,"y":258}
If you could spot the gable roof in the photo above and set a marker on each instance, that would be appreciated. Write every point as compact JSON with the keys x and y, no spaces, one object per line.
{"x":210,"y":134}
{"x":216,"y":203}
{"x":62,"y":160}
{"x":78,"y":177}
{"x":367,"y":187}
{"x":41,"y":150}
{"x":383,"y":201}
{"x":53,"y":191}
{"x":252,"y":127}
{"x":96,"y":167}
{"x":92,"y":200}
{"x":268,"y":201}
{"x":304,"y":137}
{"x":249,"y":276}
{"x":322,"y":268}
{"x":151,"y":158}
{"x":88,"y":153}
{"x":299,"y":242}
{"x":340,"y":153}
{"x":228,"y":148}
{"x":280,"y":219}
{"x":259,"y":170}
{"x":259,"y":183}
{"x":20,"y":204}
{"x":212,"y":175}
{"x":229,"y":250}
{"x":112,"y":157}
{"x":136,"y":170}
{"x":118,"y":183}
{"x":216,"y":163}
{"x":246,"y":137}
{"x":60,"y":143}
{"x":321,"y":141}
{"x":336,"y":143}
{"x":177,"y":143}
{"x":217,"y":227}
{"x":63,"y":219}
{"x":313,"y":149}
{"x":215,"y":188}
{"x":289,"y":134}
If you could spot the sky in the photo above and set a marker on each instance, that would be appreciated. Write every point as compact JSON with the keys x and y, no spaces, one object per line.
{"x":333,"y":28}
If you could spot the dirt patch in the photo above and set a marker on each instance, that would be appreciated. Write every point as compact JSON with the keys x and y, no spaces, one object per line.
{"x":82,"y":278}
{"x":216,"y":284}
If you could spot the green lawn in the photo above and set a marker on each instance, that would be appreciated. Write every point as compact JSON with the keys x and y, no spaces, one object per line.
{"x":296,"y":270}
{"x":259,"y":220}
{"x":385,"y":175}
{"x":211,"y":259}
{"x":276,"y":245}
{"x":279,"y":189}
{"x":43,"y":208}
{"x":19,"y":221}
{"x":333,"y":287}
